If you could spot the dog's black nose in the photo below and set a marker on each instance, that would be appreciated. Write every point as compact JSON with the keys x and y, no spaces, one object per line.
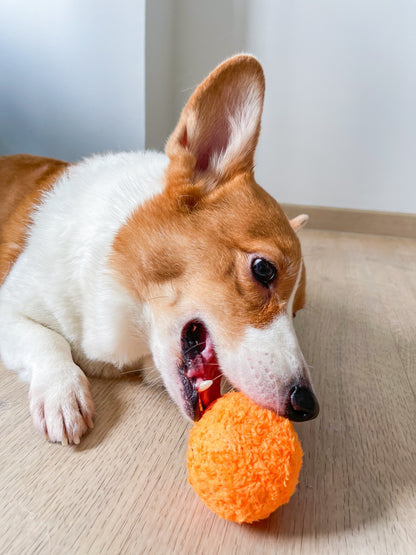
{"x":303,"y":404}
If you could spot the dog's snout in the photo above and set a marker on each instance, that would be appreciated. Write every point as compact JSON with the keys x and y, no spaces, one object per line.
{"x":303,"y":405}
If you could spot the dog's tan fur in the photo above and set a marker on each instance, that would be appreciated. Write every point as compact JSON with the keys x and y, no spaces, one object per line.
{"x":23,"y":180}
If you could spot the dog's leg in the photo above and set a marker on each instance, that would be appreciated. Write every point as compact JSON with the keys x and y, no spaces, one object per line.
{"x":60,"y":399}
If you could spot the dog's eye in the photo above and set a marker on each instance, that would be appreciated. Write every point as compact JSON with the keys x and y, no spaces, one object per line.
{"x":263,"y":271}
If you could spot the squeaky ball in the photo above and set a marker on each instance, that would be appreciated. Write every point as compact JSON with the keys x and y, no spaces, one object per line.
{"x":243,"y":461}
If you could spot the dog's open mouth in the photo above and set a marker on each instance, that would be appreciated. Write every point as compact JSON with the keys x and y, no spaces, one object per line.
{"x":199,"y":371}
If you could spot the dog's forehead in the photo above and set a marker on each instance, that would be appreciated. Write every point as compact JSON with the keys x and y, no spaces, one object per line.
{"x":247,"y":216}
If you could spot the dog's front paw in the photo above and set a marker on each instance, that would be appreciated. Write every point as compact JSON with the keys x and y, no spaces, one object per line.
{"x":62,"y":408}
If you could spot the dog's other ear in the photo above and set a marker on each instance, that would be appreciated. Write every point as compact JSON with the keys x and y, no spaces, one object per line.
{"x":218,"y":130}
{"x":299,"y":222}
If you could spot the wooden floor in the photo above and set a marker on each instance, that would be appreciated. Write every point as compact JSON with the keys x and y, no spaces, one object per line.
{"x":124,"y":489}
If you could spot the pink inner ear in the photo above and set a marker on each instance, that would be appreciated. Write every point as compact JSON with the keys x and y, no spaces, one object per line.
{"x":184,"y":140}
{"x":214,"y":142}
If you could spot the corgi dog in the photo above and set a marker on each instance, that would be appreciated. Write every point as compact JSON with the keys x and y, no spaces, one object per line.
{"x":181,"y":257}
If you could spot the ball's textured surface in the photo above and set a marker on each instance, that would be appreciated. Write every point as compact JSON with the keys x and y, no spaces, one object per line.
{"x":243,"y":461}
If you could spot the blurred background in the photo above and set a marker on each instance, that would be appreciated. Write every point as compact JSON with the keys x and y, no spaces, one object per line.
{"x":339,"y":125}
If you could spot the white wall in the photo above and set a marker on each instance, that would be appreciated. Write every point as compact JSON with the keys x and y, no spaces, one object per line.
{"x":160,"y":115}
{"x":339,"y":126}
{"x":71,"y":76}
{"x":185,"y":39}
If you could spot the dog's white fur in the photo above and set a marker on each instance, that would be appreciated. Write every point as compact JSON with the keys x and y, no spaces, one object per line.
{"x":60,"y":296}
{"x":254,"y":361}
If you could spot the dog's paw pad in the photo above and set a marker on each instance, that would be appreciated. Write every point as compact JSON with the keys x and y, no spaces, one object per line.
{"x":63,"y":409}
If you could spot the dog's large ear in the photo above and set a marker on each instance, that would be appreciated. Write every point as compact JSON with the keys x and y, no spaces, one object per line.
{"x":299,"y":221}
{"x":218,"y":130}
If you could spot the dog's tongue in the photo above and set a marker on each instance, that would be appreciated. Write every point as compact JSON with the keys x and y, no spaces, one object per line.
{"x":201,"y":367}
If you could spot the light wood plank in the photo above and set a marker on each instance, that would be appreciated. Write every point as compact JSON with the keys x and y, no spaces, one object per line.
{"x":124,"y":489}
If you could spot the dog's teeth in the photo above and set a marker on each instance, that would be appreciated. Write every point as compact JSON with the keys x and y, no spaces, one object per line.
{"x":206,"y":384}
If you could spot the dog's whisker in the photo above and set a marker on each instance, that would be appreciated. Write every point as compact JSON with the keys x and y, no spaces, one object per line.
{"x":137,"y":370}
{"x":189,"y":89}
{"x":193,"y":347}
{"x":211,"y":364}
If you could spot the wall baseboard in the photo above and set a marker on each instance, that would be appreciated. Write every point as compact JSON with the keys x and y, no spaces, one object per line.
{"x":356,"y":221}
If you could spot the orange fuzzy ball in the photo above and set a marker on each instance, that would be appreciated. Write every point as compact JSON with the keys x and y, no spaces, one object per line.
{"x":243,"y":461}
